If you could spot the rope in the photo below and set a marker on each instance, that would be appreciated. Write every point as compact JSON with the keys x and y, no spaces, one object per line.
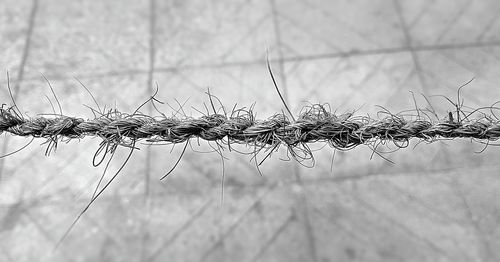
{"x":315,"y":124}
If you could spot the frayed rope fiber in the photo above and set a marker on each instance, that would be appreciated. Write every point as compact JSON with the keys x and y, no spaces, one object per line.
{"x":316,"y":124}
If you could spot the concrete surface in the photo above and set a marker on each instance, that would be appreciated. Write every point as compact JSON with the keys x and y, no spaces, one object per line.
{"x":438,"y":202}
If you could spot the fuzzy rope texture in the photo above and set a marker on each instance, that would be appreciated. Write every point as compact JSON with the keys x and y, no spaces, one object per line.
{"x":316,"y":124}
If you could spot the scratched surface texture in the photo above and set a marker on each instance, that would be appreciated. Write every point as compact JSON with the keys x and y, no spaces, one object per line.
{"x":438,"y":202}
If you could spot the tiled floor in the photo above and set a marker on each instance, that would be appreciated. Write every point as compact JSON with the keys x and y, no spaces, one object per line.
{"x":437,"y":202}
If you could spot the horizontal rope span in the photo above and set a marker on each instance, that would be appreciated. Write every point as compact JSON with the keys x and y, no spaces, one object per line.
{"x":315,"y":124}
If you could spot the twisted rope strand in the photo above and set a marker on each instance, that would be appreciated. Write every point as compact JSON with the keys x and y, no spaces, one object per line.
{"x":315,"y":125}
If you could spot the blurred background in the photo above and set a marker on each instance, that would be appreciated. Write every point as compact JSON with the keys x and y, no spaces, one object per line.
{"x":437,"y":202}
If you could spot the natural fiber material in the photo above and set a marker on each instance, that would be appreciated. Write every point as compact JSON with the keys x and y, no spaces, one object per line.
{"x":314,"y":125}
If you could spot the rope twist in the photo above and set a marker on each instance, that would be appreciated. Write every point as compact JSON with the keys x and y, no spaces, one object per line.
{"x":341,"y":131}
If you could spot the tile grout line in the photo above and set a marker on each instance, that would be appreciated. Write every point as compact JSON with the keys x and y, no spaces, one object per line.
{"x":20,"y":75}
{"x":149,"y":88}
{"x":414,"y":56}
{"x":241,"y":63}
{"x":276,"y":234}
{"x":302,"y":200}
{"x":409,"y":45}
